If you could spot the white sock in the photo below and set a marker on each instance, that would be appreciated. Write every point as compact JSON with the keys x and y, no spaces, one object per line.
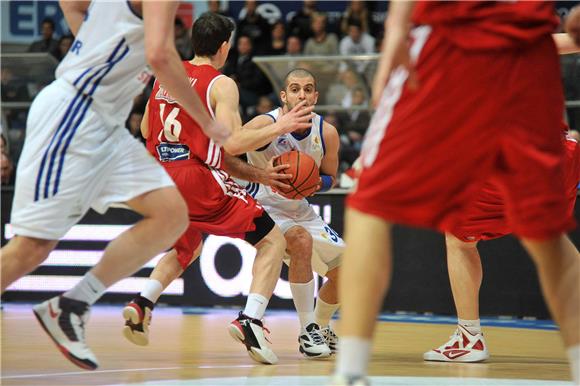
{"x":255,"y":306}
{"x":323,"y":312}
{"x":353,"y":356}
{"x":472,"y":326}
{"x":88,"y":290}
{"x":303,"y":296}
{"x":574,"y":359}
{"x":152,"y":290}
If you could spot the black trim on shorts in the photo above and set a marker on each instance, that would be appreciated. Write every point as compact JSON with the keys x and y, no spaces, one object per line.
{"x":264,"y":224}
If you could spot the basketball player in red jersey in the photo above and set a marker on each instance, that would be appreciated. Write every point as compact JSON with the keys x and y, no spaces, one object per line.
{"x":485,"y":220}
{"x":216,"y":204}
{"x":477,"y":96}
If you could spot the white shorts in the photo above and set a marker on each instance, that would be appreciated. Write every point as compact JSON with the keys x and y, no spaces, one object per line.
{"x":70,"y":165}
{"x":328,"y":247}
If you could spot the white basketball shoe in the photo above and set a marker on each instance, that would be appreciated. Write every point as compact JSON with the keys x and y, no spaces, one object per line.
{"x":463,"y":346}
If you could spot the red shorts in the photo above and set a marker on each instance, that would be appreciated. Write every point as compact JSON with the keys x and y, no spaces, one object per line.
{"x":216,"y":204}
{"x":477,"y":116}
{"x":485,"y":218}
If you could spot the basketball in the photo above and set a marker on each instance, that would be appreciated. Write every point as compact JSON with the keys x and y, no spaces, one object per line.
{"x":304,"y":171}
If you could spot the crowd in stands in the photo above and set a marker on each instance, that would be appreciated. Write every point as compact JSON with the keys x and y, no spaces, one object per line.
{"x":308,"y":32}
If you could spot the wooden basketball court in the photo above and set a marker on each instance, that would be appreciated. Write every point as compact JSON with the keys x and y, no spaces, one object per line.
{"x":196,"y":350}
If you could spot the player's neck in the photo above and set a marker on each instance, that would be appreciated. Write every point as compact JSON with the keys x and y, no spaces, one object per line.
{"x":201,"y":60}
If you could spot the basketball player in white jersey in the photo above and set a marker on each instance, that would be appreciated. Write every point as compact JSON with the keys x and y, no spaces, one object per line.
{"x":78,"y":155}
{"x":311,"y":243}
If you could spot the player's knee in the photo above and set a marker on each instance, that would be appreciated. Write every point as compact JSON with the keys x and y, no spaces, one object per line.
{"x":332,"y":275}
{"x":173,"y":214}
{"x":28,"y":252}
{"x":299,"y":242}
{"x":456,"y":243}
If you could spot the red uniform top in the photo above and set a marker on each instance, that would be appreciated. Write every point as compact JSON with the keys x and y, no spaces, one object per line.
{"x":174,"y":134}
{"x":488,"y":24}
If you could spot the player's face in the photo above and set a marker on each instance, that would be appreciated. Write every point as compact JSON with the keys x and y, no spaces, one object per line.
{"x":298,"y":90}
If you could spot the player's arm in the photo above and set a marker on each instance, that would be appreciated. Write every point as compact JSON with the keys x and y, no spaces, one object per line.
{"x":159,"y":19}
{"x":145,"y":122}
{"x":565,"y":44}
{"x":329,"y":163}
{"x":226,"y":98}
{"x":573,"y":25}
{"x":270,"y":176}
{"x":395,"y":51}
{"x":74,"y":13}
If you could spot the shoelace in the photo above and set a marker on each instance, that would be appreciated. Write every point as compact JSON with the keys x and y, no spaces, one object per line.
{"x":456,"y":337}
{"x":317,"y":336}
{"x":326,"y":331}
{"x":265,"y":329}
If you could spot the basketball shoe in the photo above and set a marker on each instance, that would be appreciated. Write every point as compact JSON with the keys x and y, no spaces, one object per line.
{"x":339,"y":380}
{"x":137,"y":314}
{"x":250,"y":332}
{"x":463,"y":346}
{"x":64,"y":320}
{"x":312,"y":342}
{"x":330,"y":338}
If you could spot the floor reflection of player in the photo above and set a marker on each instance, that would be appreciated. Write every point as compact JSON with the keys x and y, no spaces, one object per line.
{"x":424,"y":162}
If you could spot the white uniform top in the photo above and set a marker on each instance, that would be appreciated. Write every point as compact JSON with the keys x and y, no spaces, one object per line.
{"x":311,"y":143}
{"x":106,"y":63}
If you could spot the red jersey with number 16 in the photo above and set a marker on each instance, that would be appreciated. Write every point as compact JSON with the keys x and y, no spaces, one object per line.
{"x":174,"y":134}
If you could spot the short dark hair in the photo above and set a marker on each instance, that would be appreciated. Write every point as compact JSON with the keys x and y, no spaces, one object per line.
{"x":354,"y":22}
{"x":299,"y":73}
{"x":48,"y":20}
{"x":209,"y":32}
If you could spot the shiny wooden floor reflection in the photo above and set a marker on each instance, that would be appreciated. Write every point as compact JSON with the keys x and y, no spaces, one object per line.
{"x":188,"y":347}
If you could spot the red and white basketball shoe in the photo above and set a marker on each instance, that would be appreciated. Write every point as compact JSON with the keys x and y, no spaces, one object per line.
{"x":462,"y":346}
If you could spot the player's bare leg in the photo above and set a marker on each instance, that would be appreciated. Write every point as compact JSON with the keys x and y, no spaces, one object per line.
{"x":248,"y":327}
{"x":365,"y":277}
{"x":326,"y":306}
{"x":137,"y":312}
{"x":558,"y":265}
{"x":21,"y":256}
{"x":299,"y":246}
{"x":465,"y":274}
{"x":164,"y":213}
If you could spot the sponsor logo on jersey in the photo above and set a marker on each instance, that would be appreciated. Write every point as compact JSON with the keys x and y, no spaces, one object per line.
{"x":168,"y":152}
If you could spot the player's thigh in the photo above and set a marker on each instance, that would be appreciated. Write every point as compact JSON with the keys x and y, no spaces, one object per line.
{"x":328,"y":246}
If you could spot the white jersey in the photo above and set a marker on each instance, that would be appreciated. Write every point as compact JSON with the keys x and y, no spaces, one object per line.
{"x":106,"y":62}
{"x":311,"y":143}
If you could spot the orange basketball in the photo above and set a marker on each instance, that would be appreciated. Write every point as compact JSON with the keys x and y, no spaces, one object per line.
{"x":304,"y":171}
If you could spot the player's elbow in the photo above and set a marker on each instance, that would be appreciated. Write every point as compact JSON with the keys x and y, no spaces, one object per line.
{"x":233,"y":147}
{"x":158,"y":57}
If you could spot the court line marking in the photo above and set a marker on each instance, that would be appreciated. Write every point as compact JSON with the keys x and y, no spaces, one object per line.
{"x":20,"y":376}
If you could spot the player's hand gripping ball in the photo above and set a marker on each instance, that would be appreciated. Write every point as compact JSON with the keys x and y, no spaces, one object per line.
{"x":305,"y":175}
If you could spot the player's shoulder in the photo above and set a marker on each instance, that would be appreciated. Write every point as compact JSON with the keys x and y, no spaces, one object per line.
{"x":328,"y":129}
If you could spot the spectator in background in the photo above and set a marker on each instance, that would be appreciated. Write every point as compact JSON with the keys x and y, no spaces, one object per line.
{"x":13,"y":88}
{"x":252,"y":83}
{"x":265,"y":105}
{"x":293,"y":45}
{"x":64,"y":44}
{"x":321,"y":43}
{"x":357,"y":42}
{"x":255,"y":27}
{"x":47,"y":43}
{"x":300,"y":24}
{"x":182,"y":40}
{"x":356,"y":10}
{"x":278,"y":40}
{"x":356,"y":122}
{"x":215,"y":7}
{"x":340,"y":93}
{"x":6,"y":165}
